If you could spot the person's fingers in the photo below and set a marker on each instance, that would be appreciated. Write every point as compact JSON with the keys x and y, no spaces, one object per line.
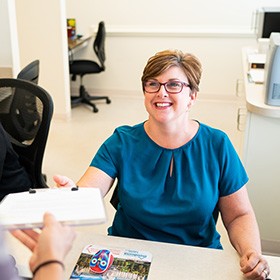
{"x":62,"y":181}
{"x":49,"y":219}
{"x":254,"y":266}
{"x":59,"y":236}
{"x":249,"y":262}
{"x":27,"y":237}
{"x":32,"y":234}
{"x":59,"y":180}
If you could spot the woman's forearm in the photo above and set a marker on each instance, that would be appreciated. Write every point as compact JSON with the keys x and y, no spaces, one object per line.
{"x":244,"y":234}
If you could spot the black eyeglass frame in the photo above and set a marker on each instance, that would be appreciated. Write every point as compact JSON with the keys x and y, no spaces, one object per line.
{"x":164,"y":84}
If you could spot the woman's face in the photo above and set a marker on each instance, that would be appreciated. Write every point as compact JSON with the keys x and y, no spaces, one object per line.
{"x":165,"y":107}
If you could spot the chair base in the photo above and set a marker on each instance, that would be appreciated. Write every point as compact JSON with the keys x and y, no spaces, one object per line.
{"x":85,"y":98}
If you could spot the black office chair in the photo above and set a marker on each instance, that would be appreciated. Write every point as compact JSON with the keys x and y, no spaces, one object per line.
{"x":30,"y":72}
{"x":84,"y":67}
{"x":26,"y":111}
{"x":115,"y":197}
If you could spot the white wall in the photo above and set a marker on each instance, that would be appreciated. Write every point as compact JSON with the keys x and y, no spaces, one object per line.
{"x":215,"y":31}
{"x":126,"y":57}
{"x":215,"y":13}
{"x":5,"y":40}
{"x":42,"y":35}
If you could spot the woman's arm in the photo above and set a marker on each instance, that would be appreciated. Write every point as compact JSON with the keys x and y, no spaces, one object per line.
{"x":240,"y":221}
{"x":93,"y":177}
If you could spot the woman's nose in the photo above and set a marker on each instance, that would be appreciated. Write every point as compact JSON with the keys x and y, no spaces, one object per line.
{"x":162,"y":92}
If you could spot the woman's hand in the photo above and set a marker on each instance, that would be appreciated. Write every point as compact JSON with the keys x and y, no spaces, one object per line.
{"x":53,"y":243}
{"x":254,"y":266}
{"x":63,"y":181}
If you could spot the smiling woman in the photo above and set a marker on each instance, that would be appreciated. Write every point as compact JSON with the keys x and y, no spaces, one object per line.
{"x":168,"y":191}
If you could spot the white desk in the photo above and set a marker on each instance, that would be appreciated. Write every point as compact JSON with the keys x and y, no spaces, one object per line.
{"x":169,"y":261}
{"x":262,"y":161}
{"x":76,"y":44}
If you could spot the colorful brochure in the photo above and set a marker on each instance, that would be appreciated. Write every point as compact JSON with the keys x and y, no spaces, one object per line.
{"x":123,"y":264}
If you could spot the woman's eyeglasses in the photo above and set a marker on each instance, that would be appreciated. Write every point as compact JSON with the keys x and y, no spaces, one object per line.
{"x":172,"y":87}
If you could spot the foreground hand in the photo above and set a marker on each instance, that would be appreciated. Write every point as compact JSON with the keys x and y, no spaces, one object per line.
{"x":63,"y":181}
{"x":54,"y":241}
{"x":254,"y":266}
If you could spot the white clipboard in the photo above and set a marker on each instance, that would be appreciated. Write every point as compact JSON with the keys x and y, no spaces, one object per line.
{"x":76,"y":206}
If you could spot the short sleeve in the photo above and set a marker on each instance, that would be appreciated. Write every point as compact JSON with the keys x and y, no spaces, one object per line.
{"x":232,"y":172}
{"x":107,"y":156}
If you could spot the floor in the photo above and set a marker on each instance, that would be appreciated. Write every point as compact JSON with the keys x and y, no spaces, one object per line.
{"x":72,"y":144}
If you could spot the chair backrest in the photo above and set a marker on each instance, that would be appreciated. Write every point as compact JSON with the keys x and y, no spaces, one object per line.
{"x":33,"y":116}
{"x":99,"y":44}
{"x":30,"y":72}
{"x":27,"y":130}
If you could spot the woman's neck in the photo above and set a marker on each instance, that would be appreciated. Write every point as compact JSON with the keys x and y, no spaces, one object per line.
{"x":171,"y":136}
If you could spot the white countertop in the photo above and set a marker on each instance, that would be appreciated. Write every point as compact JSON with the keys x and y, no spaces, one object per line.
{"x":169,"y":261}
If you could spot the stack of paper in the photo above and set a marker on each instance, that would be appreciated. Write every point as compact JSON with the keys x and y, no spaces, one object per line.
{"x":26,"y":209}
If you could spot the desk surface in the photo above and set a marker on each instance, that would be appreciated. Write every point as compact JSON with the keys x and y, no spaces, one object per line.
{"x":169,"y":261}
{"x":75,"y":43}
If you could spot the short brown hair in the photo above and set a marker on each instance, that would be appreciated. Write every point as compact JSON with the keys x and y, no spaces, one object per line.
{"x":163,"y":60}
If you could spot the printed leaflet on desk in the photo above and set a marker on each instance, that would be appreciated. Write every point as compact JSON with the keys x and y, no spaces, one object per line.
{"x":126,"y":264}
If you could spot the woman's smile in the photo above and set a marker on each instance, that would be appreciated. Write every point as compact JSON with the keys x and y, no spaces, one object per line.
{"x":163,"y":104}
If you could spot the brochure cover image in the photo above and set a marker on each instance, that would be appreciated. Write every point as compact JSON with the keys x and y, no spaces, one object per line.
{"x":112,"y":264}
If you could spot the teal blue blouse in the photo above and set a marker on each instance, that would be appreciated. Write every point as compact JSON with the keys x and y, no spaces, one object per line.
{"x":176,"y":207}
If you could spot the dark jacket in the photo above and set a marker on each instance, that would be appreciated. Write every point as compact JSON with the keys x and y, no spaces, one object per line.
{"x":13,"y":176}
